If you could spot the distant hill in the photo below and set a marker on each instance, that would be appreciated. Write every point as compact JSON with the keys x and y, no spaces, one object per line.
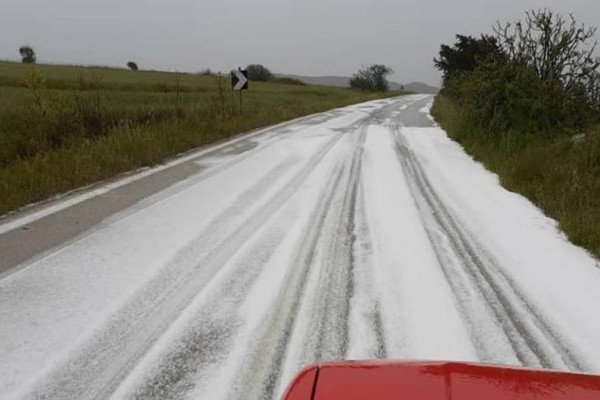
{"x":420,"y":87}
{"x":341,"y":81}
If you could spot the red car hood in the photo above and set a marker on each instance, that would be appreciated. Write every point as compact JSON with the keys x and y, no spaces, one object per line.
{"x":438,"y":381}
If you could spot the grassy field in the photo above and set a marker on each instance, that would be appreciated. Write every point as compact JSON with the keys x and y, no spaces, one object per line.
{"x":63,"y":127}
{"x":559,"y":172}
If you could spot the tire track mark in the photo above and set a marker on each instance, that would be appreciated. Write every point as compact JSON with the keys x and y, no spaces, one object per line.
{"x":260,"y":373}
{"x":267,"y":358}
{"x":210,"y":331}
{"x":337,"y":285}
{"x":366,"y":333}
{"x":529,"y":334}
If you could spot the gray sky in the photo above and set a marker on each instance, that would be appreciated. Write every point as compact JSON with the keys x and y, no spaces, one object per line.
{"x":308,"y":37}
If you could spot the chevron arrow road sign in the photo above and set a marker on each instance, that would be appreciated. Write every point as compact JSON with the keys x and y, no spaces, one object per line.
{"x":239,"y":79}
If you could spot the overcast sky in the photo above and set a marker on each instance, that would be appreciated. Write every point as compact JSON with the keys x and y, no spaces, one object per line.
{"x":307,"y":37}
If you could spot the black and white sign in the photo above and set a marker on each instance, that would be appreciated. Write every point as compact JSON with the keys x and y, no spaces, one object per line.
{"x":239,"y":79}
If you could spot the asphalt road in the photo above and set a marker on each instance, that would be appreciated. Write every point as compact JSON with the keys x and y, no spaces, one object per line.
{"x":360,"y":233}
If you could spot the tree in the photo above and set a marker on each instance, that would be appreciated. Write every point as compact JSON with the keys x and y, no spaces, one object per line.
{"x":27,"y":54}
{"x":372,"y":78}
{"x":132,"y":66}
{"x":555,"y":47}
{"x":258,"y":72}
{"x":465,"y":54}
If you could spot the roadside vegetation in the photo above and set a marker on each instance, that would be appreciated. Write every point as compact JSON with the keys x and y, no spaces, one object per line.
{"x":526,"y":103}
{"x":66,"y":127}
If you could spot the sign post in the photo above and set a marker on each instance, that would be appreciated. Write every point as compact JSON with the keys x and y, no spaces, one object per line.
{"x":239,"y":83}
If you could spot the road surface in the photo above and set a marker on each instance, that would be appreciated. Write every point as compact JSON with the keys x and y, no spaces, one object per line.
{"x":359,"y":233}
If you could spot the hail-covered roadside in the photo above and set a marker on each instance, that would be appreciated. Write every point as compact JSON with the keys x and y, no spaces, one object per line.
{"x":360,"y":233}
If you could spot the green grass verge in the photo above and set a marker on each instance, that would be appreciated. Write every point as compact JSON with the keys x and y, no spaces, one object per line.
{"x":81,"y":125}
{"x":558,"y":172}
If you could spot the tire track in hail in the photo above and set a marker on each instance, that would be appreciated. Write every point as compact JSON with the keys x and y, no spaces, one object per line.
{"x":96,"y":370}
{"x":326,"y":336}
{"x":191,"y":349}
{"x":530,"y":336}
{"x":338,"y":286}
{"x":267,"y":358}
{"x":261,"y":374}
{"x":366,"y":337}
{"x":209,"y":334}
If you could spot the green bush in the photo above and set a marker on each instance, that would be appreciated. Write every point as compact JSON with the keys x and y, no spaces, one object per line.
{"x":537,"y":76}
{"x":504,"y":97}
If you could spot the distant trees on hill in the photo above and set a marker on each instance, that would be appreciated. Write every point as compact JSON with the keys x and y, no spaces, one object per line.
{"x":132,"y":66}
{"x":372,"y":78}
{"x":207,"y":72}
{"x":27,"y":55}
{"x":258,"y":72}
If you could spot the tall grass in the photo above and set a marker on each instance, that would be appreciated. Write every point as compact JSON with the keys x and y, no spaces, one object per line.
{"x":66,"y":127}
{"x":559,"y":172}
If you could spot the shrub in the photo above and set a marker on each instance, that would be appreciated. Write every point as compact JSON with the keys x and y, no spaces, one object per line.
{"x":258,"y":72}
